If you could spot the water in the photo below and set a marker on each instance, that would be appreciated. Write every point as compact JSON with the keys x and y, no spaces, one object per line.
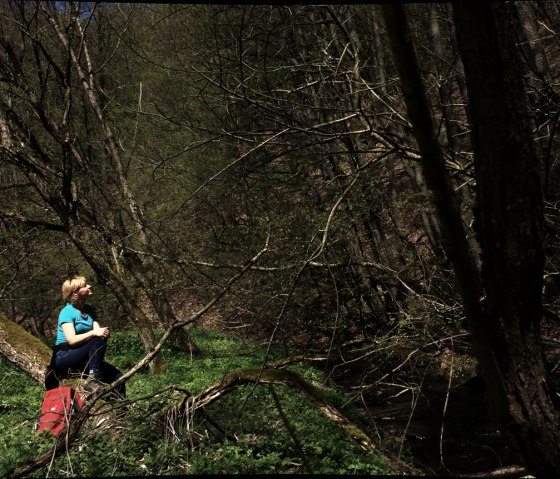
{"x":454,"y":439}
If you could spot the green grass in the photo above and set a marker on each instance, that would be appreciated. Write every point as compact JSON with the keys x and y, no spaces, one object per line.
{"x":143,"y":444}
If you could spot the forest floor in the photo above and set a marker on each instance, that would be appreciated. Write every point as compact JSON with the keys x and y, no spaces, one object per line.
{"x":447,"y":428}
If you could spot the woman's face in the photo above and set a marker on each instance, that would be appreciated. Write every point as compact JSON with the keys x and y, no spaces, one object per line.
{"x":84,"y":291}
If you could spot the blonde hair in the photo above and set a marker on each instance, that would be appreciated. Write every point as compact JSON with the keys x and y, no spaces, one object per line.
{"x":71,"y":285}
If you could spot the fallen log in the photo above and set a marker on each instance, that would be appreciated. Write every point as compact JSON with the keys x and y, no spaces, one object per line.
{"x":189,"y":404}
{"x":23,"y":349}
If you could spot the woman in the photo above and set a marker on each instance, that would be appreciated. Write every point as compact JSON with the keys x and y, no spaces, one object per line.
{"x":80,"y":340}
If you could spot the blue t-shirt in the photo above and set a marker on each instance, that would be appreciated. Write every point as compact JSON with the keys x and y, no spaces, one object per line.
{"x":69,"y":314}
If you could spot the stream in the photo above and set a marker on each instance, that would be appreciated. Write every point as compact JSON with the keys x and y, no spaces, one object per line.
{"x":468,"y":444}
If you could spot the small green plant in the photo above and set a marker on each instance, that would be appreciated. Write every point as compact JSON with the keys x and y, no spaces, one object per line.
{"x":19,"y":406}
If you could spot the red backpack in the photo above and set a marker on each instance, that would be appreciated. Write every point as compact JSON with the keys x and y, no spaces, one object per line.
{"x":58,"y":407}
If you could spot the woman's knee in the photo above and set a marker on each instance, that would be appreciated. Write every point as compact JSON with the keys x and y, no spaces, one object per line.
{"x":98,"y":341}
{"x":97,"y":345}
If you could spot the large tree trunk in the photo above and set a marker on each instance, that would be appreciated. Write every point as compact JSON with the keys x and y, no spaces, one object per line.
{"x":23,"y":349}
{"x":511,"y":218}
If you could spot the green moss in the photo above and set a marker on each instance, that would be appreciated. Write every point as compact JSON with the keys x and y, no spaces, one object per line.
{"x":34,"y":350}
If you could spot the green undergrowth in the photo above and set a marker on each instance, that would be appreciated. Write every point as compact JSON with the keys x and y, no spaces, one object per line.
{"x":251,"y":429}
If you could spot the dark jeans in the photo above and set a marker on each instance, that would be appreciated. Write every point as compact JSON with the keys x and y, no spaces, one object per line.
{"x":86,"y":357}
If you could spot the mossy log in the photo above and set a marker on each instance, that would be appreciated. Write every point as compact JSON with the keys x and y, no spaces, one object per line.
{"x":23,"y":349}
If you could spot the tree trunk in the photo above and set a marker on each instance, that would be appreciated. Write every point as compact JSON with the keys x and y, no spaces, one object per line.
{"x":88,"y":82}
{"x":505,"y":332}
{"x":433,"y":164}
{"x":452,"y":131}
{"x":23,"y":349}
{"x":511,"y":219}
{"x":123,"y":294}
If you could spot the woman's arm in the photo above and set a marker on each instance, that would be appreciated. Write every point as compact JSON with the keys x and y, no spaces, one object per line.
{"x":74,"y":339}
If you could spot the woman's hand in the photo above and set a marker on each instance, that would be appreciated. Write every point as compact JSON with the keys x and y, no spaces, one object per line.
{"x":101,"y":332}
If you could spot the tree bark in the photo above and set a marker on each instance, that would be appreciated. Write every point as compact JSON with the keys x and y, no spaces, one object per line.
{"x":511,"y":217}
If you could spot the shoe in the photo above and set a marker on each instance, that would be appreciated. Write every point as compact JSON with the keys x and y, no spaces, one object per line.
{"x":93,"y":383}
